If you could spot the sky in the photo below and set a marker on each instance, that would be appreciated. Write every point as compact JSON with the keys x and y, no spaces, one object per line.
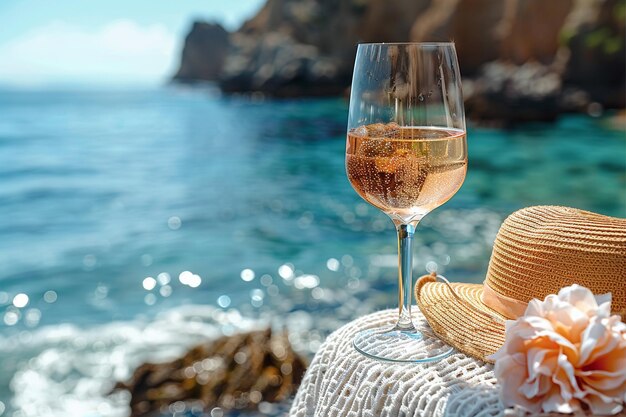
{"x":102,"y":42}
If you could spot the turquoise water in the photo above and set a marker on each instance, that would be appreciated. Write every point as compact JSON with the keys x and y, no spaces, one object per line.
{"x":107,"y":197}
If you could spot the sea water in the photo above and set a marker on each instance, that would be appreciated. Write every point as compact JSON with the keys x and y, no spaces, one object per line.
{"x":135,"y":224}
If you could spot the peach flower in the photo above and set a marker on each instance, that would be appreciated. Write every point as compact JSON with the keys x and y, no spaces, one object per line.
{"x":566,"y":354}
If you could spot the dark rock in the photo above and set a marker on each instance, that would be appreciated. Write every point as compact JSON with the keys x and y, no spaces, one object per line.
{"x":205,"y":50}
{"x":236,"y":372}
{"x":460,"y":21}
{"x":294,"y":47}
{"x":530,"y":30}
{"x":279,"y":66}
{"x":376,"y":26}
{"x":596,"y":42}
{"x":504,"y":91}
{"x":486,"y":30}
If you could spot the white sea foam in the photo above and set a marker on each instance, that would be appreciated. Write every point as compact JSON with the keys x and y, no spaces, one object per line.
{"x":64,"y":370}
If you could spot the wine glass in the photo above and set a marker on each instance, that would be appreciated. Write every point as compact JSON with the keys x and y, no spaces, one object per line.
{"x":406,"y":154}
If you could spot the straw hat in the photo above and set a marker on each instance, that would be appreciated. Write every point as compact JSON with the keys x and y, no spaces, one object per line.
{"x":538,"y":250}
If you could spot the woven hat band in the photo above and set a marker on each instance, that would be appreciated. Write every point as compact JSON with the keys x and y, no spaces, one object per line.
{"x":507,"y":306}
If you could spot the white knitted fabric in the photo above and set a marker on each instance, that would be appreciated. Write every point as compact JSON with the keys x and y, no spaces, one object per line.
{"x":342,"y":382}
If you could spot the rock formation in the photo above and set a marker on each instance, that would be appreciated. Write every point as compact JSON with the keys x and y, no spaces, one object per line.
{"x":204,"y":52}
{"x":236,"y":372}
{"x":516,"y":31}
{"x":307,"y":47}
{"x":595,"y":40}
{"x":511,"y":93}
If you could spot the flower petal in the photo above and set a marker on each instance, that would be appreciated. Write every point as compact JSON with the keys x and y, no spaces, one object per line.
{"x":601,"y":337}
{"x":554,"y":402}
{"x":580,"y":297}
{"x":565,"y":378}
{"x":509,"y":370}
{"x":602,"y":406}
{"x":565,"y":351}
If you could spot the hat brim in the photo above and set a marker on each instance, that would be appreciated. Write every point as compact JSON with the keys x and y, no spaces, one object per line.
{"x":462,"y":320}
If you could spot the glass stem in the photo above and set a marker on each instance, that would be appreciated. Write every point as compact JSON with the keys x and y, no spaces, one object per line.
{"x":405,"y":276}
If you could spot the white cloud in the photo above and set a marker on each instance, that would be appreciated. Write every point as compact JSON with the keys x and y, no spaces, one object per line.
{"x":119,"y":52}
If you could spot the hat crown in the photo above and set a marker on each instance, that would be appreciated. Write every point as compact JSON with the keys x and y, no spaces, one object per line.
{"x":539,"y":250}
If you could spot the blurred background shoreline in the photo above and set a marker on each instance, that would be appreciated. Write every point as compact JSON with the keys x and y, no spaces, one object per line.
{"x":521,"y":60}
{"x":140,"y":216}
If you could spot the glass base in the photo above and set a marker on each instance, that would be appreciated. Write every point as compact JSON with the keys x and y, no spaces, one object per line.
{"x":393,"y":345}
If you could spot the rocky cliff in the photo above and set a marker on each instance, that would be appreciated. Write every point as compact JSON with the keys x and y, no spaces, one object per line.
{"x":204,"y":52}
{"x":569,"y":51}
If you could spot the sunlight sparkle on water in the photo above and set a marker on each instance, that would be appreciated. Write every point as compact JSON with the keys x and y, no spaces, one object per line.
{"x":317,"y":293}
{"x":286,"y":272}
{"x":32,"y":317}
{"x":101,"y":292}
{"x":190,"y":279}
{"x":174,"y":223}
{"x":165,"y":291}
{"x":306,"y":281}
{"x":50,"y":296}
{"x":247,"y":275}
{"x":20,"y":300}
{"x":149,"y":283}
{"x":266,"y":280}
{"x":195,"y":281}
{"x":333,"y":264}
{"x":257,"y":295}
{"x":11,"y":318}
{"x":89,"y":261}
{"x":164,"y":278}
{"x":183,"y":277}
{"x":272,"y":290}
{"x":223,"y":301}
{"x":431,"y":266}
